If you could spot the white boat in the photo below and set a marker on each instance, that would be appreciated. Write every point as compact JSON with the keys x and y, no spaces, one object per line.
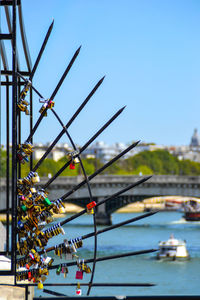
{"x":172,"y":249}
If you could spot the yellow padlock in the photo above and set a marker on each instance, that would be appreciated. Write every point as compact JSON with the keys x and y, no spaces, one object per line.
{"x":40,"y":285}
{"x":90,"y":211}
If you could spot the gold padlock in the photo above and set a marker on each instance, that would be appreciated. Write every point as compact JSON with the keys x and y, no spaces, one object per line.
{"x":35,"y":178}
{"x":87,"y":269}
{"x":21,"y":107}
{"x":40,"y":285}
{"x":90,"y":211}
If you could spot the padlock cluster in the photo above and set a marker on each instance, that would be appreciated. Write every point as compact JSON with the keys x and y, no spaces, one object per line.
{"x":68,"y":248}
{"x":34,"y":258}
{"x":34,"y":275}
{"x":82,"y":268}
{"x":62,"y":269}
{"x":24,"y":151}
{"x":22,"y":103}
{"x":34,"y":212}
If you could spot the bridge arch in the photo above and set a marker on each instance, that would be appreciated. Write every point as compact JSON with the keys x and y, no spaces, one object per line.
{"x":106,"y":185}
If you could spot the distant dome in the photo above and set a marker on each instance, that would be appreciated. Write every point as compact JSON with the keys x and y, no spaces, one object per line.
{"x":195,"y":140}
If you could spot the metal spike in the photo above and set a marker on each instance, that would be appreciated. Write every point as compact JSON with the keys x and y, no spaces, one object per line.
{"x":41,"y":51}
{"x":101,"y":169}
{"x":106,"y":199}
{"x":54,"y":93}
{"x":86,"y":236}
{"x":119,"y":224}
{"x":69,"y":123}
{"x":65,"y":73}
{"x":38,"y":60}
{"x":103,"y":258}
{"x":86,"y":145}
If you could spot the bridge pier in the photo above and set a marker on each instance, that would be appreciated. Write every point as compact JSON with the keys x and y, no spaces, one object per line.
{"x":102,"y":217}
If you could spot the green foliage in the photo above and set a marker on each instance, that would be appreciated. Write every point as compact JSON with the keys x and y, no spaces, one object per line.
{"x":114,"y":169}
{"x":143,"y":170}
{"x":48,"y":166}
{"x":187,"y":167}
{"x":25,"y":169}
{"x":89,"y":166}
{"x":158,"y":162}
{"x":2,"y":163}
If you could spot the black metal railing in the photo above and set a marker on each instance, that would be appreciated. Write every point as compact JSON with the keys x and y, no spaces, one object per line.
{"x":27,"y":239}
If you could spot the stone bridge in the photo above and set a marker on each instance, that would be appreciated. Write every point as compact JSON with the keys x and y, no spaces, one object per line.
{"x":105,"y":185}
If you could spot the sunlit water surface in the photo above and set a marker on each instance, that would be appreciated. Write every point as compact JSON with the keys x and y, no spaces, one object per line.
{"x":170,"y":277}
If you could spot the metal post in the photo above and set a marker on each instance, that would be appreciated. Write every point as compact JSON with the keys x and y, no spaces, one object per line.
{"x":14,"y":140}
{"x":31,"y":124}
{"x":7,"y":165}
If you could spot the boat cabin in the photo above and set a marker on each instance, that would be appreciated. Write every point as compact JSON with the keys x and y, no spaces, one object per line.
{"x":172,"y":248}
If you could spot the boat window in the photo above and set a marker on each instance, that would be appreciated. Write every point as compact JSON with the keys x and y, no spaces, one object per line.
{"x":164,"y":249}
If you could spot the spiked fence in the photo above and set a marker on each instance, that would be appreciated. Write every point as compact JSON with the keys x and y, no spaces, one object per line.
{"x":30,"y":208}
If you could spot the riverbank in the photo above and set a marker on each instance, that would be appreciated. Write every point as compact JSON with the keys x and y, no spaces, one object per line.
{"x":154,"y":203}
{"x":130,"y":208}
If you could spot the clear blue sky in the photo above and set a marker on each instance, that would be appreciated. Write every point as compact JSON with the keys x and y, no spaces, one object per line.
{"x":149,"y":51}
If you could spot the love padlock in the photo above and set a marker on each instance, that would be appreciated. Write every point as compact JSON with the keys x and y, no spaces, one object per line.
{"x":78,"y":289}
{"x":79,"y":275}
{"x":78,"y":292}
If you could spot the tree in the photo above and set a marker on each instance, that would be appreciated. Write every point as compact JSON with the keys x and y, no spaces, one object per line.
{"x":159,"y":162}
{"x":2,"y":163}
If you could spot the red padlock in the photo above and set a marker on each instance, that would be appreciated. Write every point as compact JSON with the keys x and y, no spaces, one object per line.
{"x":79,"y":275}
{"x":91,"y":205}
{"x":72,"y":166}
{"x":29,"y":276}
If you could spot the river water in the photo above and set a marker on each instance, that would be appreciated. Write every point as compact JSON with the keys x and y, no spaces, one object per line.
{"x":170,"y":277}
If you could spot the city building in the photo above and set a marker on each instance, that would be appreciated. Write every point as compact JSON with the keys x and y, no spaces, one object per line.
{"x":105,"y":152}
{"x":190,"y":152}
{"x":57,"y":152}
